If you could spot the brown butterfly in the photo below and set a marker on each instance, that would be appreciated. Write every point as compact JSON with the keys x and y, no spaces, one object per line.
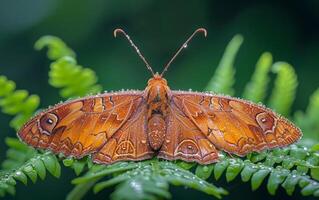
{"x":138,"y":125}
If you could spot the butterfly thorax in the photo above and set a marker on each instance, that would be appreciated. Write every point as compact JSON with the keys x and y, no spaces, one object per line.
{"x":157,"y":97}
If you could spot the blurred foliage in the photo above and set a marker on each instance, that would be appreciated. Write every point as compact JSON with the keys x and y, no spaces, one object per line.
{"x":283,"y":94}
{"x":73,"y":79}
{"x":308,"y":121}
{"x":224,"y":77}
{"x":256,"y":89}
{"x":16,"y":102}
{"x":56,"y":47}
{"x":287,"y":167}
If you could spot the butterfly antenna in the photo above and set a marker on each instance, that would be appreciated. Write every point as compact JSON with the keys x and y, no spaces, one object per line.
{"x":184,"y":46}
{"x":118,"y":30}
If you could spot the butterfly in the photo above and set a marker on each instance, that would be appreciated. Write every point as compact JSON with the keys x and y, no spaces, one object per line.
{"x":138,"y":125}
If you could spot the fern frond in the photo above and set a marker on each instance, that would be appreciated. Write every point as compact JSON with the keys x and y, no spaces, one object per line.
{"x":56,"y":47}
{"x":283,"y":94}
{"x":145,"y":180}
{"x":17,"y":154}
{"x":16,"y":102}
{"x":22,"y":105}
{"x":23,"y":163}
{"x":256,"y":89}
{"x":223,"y":79}
{"x":72,"y":79}
{"x":309,"y":121}
{"x":282,"y":167}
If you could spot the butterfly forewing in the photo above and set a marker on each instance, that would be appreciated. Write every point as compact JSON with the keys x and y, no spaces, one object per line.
{"x":88,"y":125}
{"x":234,"y":125}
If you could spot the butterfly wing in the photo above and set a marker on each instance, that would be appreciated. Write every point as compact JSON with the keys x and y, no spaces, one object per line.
{"x":185,"y":141}
{"x":85,"y":126}
{"x":130,"y":142}
{"x":233,"y":125}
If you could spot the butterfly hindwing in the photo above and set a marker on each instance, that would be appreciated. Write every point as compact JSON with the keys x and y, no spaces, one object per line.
{"x":185,"y":141}
{"x":130,"y":142}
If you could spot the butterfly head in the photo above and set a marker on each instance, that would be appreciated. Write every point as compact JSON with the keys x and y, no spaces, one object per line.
{"x":157,"y":85}
{"x":157,"y":79}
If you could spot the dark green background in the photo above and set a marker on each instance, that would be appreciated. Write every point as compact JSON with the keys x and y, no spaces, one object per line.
{"x":288,"y":29}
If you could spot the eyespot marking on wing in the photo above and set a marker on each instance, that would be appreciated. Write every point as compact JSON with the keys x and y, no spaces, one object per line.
{"x":266,"y":122}
{"x":47,"y":123}
{"x":187,"y":147}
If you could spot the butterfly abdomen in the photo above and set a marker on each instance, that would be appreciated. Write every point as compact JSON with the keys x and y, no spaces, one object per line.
{"x":156,"y":131}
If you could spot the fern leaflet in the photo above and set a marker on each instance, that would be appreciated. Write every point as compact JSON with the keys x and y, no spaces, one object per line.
{"x":223,"y":79}
{"x":56,"y":47}
{"x":283,"y":94}
{"x":16,"y":102}
{"x":256,"y":89}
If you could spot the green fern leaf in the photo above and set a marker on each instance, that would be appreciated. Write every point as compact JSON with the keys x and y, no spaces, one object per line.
{"x":151,"y":179}
{"x":248,"y":170}
{"x":204,"y":171}
{"x":223,"y":79}
{"x":220,"y":167}
{"x":256,"y":89}
{"x":283,"y":95}
{"x":56,"y":47}
{"x":28,"y":169}
{"x":72,"y":79}
{"x":258,"y":178}
{"x":275,"y":179}
{"x":16,"y":102}
{"x":17,"y":154}
{"x":309,"y":121}
{"x":233,"y":170}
